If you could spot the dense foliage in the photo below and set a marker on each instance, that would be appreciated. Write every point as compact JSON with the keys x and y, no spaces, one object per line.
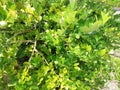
{"x":56,"y":44}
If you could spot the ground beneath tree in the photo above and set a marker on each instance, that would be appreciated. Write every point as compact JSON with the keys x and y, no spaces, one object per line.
{"x":113,"y":84}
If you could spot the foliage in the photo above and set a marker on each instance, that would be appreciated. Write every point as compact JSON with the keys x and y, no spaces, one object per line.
{"x":56,"y":44}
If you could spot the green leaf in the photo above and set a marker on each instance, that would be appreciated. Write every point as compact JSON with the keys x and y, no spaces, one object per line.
{"x":72,"y":3}
{"x":105,"y":17}
{"x":3,"y":13}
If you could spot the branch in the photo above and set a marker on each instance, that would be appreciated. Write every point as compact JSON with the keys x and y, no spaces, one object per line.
{"x":35,"y":50}
{"x":19,"y":33}
{"x":23,"y":41}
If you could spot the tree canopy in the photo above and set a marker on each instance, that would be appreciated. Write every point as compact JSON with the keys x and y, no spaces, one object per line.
{"x":56,"y":44}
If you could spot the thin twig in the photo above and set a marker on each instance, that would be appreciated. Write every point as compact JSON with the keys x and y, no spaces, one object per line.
{"x":46,"y":62}
{"x":4,"y":31}
{"x":23,"y":32}
{"x":34,"y":50}
{"x":23,"y":41}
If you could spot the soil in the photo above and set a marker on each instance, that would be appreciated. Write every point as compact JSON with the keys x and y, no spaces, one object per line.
{"x":113,"y":84}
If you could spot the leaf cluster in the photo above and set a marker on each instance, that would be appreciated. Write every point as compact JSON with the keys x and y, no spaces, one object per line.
{"x":56,"y":44}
